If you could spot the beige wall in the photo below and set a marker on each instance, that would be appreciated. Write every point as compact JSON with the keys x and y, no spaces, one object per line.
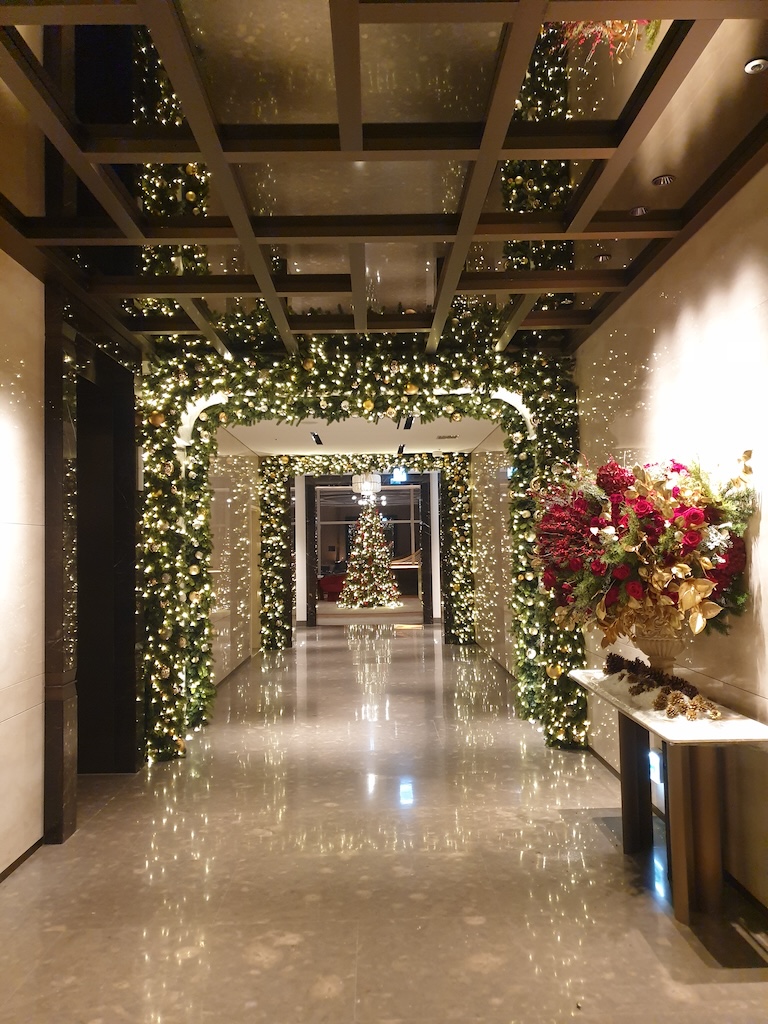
{"x":233,"y":481}
{"x":21,"y":514}
{"x":492,"y":551}
{"x":681,"y":372}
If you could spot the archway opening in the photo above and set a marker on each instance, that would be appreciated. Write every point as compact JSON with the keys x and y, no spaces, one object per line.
{"x":191,"y":391}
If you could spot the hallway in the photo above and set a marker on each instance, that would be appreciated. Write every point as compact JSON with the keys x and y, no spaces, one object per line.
{"x":365,"y":833}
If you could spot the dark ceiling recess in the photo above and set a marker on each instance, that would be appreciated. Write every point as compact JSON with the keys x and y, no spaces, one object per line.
{"x":359,"y":196}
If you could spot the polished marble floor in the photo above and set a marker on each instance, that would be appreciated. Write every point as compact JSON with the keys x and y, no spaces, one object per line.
{"x":365,"y":834}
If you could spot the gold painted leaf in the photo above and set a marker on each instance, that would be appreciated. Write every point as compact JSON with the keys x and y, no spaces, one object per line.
{"x":697,"y":622}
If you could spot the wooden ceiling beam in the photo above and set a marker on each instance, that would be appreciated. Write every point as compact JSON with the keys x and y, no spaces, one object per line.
{"x":199,"y":315}
{"x":518,"y":310}
{"x":571,"y":140}
{"x":676,"y":55}
{"x":514,"y":58}
{"x":173,"y":286}
{"x":70,"y":12}
{"x":89,"y":231}
{"x":171,"y":40}
{"x":537,"y":282}
{"x":345,"y":41}
{"x":333,"y":323}
{"x":632,"y":10}
{"x":27,"y":80}
{"x":432,"y":12}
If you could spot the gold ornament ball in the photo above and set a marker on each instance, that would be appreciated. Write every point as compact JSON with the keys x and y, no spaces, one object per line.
{"x":308,"y":364}
{"x":368,"y":405}
{"x":203,"y":416}
{"x":194,"y":570}
{"x":455,"y":417}
{"x":222,"y":417}
{"x":455,"y":374}
{"x":391,"y":412}
{"x":191,"y":197}
{"x":555,"y":671}
{"x":284,"y":459}
{"x":157,"y":418}
{"x":411,"y":388}
{"x":191,"y":168}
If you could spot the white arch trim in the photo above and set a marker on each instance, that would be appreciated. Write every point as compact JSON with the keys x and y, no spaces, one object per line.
{"x":190,"y":415}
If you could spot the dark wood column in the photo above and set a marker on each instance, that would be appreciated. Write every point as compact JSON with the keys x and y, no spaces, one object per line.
{"x":60,"y":561}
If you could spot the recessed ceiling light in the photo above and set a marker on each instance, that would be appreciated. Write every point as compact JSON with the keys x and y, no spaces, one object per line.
{"x":447,"y":437}
{"x":661,"y":180}
{"x":756,"y":65}
{"x":603,"y":257}
{"x":638,"y":211}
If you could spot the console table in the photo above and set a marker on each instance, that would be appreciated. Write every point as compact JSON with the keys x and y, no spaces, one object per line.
{"x":692,"y":787}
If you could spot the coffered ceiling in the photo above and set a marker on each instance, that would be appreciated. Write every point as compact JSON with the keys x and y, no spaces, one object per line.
{"x":356,"y":145}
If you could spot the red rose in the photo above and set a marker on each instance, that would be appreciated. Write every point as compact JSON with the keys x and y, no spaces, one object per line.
{"x":634,"y":589}
{"x":643,"y":507}
{"x":598,"y":567}
{"x":567,"y":588}
{"x":549,"y":579}
{"x":693,"y":517}
{"x":691,"y":539}
{"x":611,"y":597}
{"x":575,"y":564}
{"x":621,"y":572}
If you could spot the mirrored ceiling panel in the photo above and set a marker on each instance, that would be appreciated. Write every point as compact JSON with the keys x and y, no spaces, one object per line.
{"x":533,"y":185}
{"x":327,"y":304}
{"x":680,"y":145}
{"x":313,"y":259}
{"x":400,"y":276}
{"x":602,"y":79}
{"x":338,"y":189}
{"x":421,"y":73}
{"x":486,"y":256}
{"x":265,"y":61}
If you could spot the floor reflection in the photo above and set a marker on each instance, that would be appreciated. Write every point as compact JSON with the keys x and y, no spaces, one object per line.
{"x":365,"y":833}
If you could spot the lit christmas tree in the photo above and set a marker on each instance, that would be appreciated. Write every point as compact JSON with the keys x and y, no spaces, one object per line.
{"x":369,"y":582}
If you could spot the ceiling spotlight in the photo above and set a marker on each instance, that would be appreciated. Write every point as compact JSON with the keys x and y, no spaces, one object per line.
{"x":315,"y":437}
{"x":661,"y":180}
{"x":756,"y":65}
{"x":638,"y":211}
{"x":603,"y":257}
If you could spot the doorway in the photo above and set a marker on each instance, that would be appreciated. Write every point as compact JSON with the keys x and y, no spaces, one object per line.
{"x":332,"y":511}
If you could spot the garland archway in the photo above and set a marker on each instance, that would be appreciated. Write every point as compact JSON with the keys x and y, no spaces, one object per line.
{"x":189,"y":391}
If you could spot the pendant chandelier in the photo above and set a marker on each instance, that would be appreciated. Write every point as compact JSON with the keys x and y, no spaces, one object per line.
{"x":367,"y":485}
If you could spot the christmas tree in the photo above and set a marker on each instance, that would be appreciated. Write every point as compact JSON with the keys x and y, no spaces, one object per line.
{"x":369,"y":582}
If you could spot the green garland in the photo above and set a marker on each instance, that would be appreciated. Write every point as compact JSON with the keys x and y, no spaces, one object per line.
{"x":332,"y":379}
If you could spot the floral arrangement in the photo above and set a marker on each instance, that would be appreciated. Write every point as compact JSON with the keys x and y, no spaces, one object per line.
{"x":619,"y":36}
{"x":647,"y":550}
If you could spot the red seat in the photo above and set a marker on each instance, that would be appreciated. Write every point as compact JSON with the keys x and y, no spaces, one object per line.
{"x":330,"y":586}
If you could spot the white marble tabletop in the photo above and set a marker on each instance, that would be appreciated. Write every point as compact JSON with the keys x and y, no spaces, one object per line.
{"x":731,"y":728}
